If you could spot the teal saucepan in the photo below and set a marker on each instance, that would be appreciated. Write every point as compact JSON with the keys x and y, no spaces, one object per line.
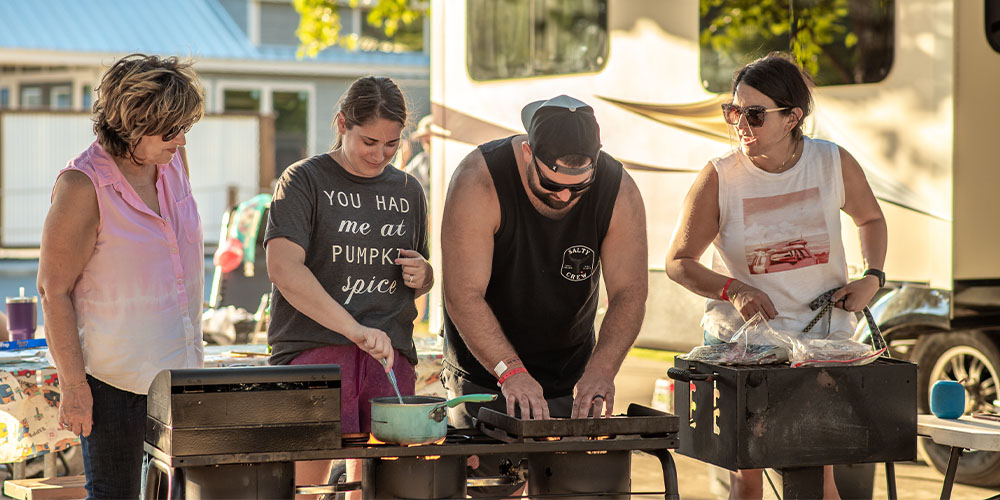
{"x":418,"y":420}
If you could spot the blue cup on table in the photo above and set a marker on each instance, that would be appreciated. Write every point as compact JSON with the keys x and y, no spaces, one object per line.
{"x":947,"y":399}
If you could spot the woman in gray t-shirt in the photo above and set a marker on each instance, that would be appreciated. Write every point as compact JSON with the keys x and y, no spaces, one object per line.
{"x":347,"y":252}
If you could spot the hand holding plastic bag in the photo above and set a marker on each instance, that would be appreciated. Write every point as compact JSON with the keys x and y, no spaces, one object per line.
{"x":832,"y":351}
{"x":837,"y":348}
{"x":755,"y":343}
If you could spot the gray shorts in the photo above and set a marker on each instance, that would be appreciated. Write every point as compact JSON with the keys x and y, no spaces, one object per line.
{"x":461,"y":417}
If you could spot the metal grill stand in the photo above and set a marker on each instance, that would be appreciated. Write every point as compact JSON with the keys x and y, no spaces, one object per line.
{"x":797,"y":419}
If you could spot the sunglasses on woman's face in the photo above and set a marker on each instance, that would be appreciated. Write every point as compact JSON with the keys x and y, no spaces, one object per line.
{"x":755,"y":114}
{"x":169,"y":136}
{"x":555,"y":187}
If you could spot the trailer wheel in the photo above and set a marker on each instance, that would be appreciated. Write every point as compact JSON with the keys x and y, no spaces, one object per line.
{"x":954,"y":356}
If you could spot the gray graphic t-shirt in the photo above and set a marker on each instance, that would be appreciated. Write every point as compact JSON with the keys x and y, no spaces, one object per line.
{"x":351,"y":229}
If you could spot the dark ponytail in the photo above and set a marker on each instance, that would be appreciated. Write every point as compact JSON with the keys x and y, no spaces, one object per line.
{"x":370,"y":98}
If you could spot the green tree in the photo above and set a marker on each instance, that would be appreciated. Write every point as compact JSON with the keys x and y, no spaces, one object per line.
{"x":319,"y":25}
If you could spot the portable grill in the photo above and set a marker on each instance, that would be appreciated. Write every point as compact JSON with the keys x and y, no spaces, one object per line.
{"x":797,"y":419}
{"x":438,"y":471}
{"x":197,"y":420}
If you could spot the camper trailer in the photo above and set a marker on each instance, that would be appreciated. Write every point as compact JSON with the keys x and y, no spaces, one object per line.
{"x":908,"y":87}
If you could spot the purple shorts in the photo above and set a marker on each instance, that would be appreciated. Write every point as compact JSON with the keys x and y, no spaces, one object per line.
{"x":361,"y":379}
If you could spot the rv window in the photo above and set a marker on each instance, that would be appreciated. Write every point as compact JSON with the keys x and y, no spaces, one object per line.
{"x":518,"y":38}
{"x":992,"y":15}
{"x":838,"y":43}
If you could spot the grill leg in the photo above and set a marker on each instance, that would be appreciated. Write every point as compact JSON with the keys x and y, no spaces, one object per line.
{"x":161,"y":481}
{"x":367,"y":479}
{"x":669,"y":473}
{"x":890,"y":480}
{"x":802,"y":483}
{"x":949,"y":476}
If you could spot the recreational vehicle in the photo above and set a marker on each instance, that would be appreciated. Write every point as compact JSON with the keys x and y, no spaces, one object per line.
{"x":908,"y":87}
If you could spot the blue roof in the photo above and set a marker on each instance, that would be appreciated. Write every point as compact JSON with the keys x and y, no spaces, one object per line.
{"x":201,"y":29}
{"x":341,"y":55}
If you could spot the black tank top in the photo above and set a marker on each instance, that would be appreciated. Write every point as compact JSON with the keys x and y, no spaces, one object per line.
{"x":544,"y":285}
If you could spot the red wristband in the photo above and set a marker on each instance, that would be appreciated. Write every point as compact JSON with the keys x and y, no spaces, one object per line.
{"x":509,"y":373}
{"x":726,"y":288}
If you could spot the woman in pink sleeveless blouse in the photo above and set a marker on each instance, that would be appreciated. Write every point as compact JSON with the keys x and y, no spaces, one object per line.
{"x":121,"y":274}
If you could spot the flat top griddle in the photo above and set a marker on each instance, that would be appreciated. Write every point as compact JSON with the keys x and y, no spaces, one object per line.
{"x":639,"y":423}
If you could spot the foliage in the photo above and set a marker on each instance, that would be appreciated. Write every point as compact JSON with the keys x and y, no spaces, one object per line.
{"x":320,"y":25}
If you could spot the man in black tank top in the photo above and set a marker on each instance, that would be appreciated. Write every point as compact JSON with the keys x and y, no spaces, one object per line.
{"x":528,"y":225}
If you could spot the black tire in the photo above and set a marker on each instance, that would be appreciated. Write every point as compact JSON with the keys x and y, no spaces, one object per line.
{"x":953,"y":356}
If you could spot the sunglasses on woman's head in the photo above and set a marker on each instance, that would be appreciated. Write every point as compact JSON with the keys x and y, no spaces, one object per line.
{"x":755,"y":114}
{"x":169,"y":136}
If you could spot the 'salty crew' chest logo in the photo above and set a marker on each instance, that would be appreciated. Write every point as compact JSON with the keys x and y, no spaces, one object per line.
{"x":577,"y":263}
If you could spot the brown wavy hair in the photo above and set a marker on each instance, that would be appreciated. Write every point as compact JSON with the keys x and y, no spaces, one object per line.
{"x":370,"y":98}
{"x":145,"y":95}
{"x":779,"y":77}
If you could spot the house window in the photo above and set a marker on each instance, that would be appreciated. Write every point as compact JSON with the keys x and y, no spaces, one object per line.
{"x":4,"y":97}
{"x":518,"y":39}
{"x":241,"y":100}
{"x":88,"y":96}
{"x":291,"y":119}
{"x":837,"y":44}
{"x":47,"y":95}
{"x":61,"y":97}
{"x":31,"y":97}
{"x":291,"y":110}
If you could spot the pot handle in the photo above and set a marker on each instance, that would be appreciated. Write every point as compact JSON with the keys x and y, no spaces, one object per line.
{"x":437,"y":412}
{"x":470,"y":398}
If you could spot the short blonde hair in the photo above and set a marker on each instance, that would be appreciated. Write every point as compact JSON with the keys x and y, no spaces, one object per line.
{"x":145,"y":95}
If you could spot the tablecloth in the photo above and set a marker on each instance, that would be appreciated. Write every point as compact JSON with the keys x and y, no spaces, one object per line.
{"x":29,"y":408}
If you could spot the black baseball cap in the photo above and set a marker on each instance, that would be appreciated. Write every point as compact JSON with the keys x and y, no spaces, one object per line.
{"x":561,"y":126}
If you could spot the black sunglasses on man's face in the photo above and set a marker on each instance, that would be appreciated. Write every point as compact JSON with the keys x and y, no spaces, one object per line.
{"x":755,"y":114}
{"x":550,"y":185}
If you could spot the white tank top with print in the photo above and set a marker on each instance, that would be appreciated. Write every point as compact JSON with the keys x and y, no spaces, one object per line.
{"x":781,"y":234}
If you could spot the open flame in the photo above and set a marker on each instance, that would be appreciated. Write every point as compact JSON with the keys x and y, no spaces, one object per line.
{"x":372,"y":440}
{"x":439,"y":441}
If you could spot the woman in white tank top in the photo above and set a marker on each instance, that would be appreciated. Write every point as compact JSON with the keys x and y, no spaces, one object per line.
{"x":771,"y":209}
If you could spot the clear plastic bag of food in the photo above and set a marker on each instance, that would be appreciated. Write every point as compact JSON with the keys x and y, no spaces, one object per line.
{"x":755,"y":343}
{"x":832,"y":352}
